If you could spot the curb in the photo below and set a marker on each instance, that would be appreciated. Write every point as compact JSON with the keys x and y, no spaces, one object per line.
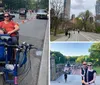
{"x":43,"y":72}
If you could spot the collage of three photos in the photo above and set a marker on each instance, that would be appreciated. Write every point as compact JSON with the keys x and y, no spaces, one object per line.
{"x":49,"y":42}
{"x":75,"y":42}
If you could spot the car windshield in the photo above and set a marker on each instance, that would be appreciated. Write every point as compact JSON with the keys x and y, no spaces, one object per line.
{"x":42,"y":10}
{"x":22,"y":10}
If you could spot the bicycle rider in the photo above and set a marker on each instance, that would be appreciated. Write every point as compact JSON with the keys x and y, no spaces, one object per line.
{"x":9,"y":27}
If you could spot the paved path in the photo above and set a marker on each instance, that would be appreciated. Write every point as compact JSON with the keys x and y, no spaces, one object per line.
{"x":72,"y":80}
{"x":82,"y":36}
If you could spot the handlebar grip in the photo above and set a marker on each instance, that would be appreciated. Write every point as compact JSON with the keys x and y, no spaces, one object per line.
{"x":13,"y":46}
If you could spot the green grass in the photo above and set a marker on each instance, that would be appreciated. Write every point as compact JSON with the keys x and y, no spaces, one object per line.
{"x":52,"y":38}
{"x":60,"y":31}
{"x":97,"y":70}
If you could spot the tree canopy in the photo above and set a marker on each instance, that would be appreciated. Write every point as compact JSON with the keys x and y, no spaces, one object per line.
{"x":29,"y":4}
{"x":95,"y":53}
{"x":59,"y":57}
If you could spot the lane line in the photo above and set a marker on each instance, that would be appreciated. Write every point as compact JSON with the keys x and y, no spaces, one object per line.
{"x":93,"y":35}
{"x":98,"y":39}
{"x":88,"y":38}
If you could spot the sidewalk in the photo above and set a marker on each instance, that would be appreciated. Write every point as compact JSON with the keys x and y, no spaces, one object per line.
{"x":72,"y":80}
{"x":60,"y":37}
{"x":63,"y":38}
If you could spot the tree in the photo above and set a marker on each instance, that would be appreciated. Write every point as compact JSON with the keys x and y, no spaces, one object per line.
{"x":57,"y":6}
{"x":17,"y":4}
{"x":44,"y":4}
{"x":95,"y":53}
{"x":71,"y":59}
{"x":85,"y":16}
{"x":59,"y":57}
{"x":80,"y":59}
{"x":78,"y":24}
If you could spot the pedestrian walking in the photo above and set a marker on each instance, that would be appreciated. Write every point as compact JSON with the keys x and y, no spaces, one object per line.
{"x":65,"y":73}
{"x":83,"y":72}
{"x":78,"y":31}
{"x":66,"y":32}
{"x":69,"y":35}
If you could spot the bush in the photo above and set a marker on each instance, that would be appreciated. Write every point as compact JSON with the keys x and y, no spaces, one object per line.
{"x":97,"y":30}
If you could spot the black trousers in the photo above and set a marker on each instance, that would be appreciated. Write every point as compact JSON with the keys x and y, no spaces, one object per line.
{"x":65,"y":76}
{"x":83,"y":84}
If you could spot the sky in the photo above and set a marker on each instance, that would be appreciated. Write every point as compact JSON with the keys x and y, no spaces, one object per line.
{"x":71,"y":49}
{"x":78,"y":6}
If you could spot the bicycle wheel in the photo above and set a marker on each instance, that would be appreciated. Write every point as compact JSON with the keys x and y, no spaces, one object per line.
{"x":1,"y":80}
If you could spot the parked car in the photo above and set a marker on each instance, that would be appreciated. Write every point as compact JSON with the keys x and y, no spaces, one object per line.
{"x":41,"y":14}
{"x":22,"y":13}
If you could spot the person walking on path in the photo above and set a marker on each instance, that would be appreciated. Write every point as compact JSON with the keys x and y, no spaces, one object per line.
{"x":69,"y":35}
{"x":65,"y":73}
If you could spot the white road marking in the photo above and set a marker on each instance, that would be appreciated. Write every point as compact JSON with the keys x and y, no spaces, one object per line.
{"x":88,"y":38}
{"x":98,"y":39}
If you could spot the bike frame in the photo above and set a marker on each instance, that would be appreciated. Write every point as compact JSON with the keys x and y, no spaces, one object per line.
{"x":14,"y":72}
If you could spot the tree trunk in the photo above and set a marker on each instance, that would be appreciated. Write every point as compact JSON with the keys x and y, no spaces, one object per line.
{"x":55,"y":26}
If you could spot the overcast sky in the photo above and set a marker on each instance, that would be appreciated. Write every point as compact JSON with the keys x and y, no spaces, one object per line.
{"x":78,"y":6}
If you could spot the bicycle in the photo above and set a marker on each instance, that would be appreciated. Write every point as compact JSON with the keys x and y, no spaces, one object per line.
{"x":12,"y":69}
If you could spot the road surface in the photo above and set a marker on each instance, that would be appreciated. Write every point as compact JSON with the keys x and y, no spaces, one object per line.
{"x":82,"y":36}
{"x":32,"y":31}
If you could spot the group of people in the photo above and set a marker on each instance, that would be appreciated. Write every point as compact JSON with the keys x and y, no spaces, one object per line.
{"x":88,"y":74}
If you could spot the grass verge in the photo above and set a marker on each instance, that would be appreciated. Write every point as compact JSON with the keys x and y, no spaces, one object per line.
{"x":97,"y":70}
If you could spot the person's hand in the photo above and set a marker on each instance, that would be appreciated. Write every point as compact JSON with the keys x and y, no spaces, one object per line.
{"x":9,"y":32}
{"x":1,"y":32}
{"x":86,"y":83}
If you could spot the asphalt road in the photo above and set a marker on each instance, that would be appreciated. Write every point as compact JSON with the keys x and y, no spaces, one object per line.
{"x":32,"y":31}
{"x":82,"y":36}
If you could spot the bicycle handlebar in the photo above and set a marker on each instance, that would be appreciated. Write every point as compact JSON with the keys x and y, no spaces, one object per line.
{"x":22,"y":46}
{"x":6,"y":45}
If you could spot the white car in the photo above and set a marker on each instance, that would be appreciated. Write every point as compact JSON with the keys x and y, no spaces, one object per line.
{"x":41,"y":14}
